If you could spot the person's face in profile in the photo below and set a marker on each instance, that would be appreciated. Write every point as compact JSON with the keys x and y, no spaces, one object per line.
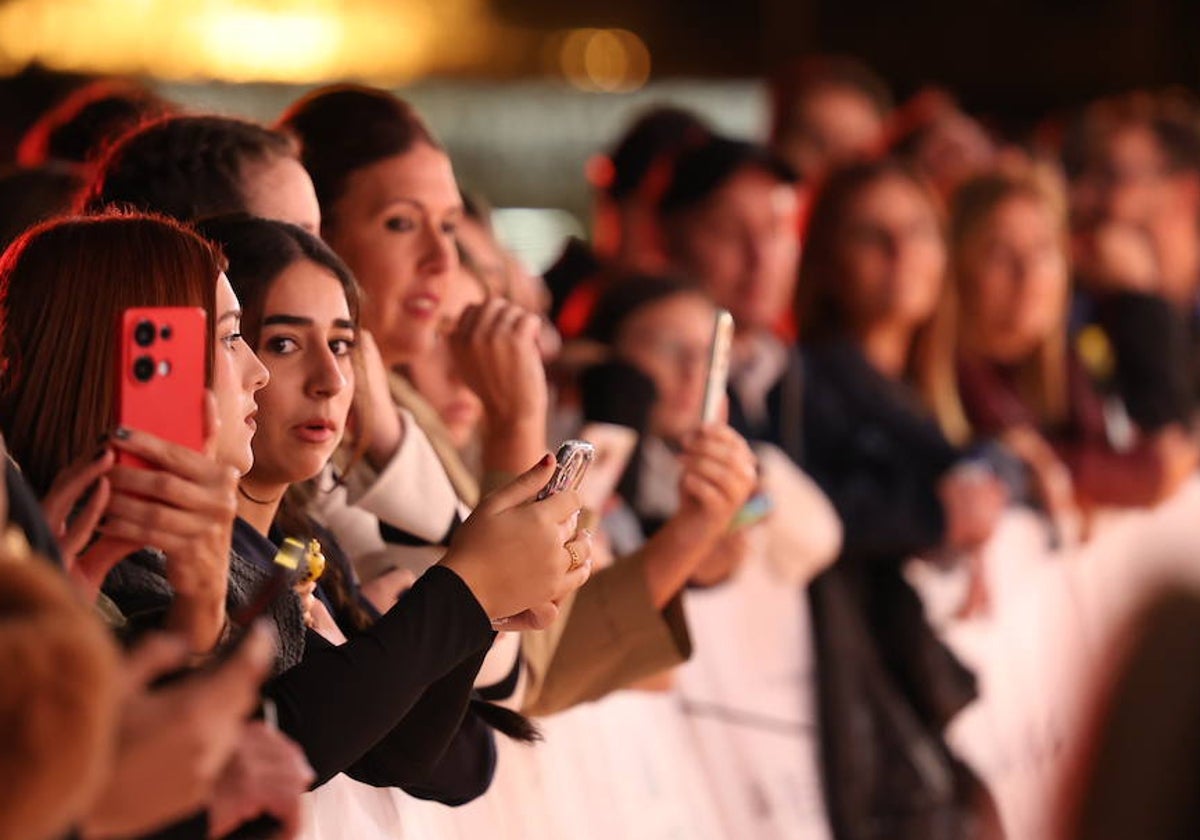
{"x":279,"y":188}
{"x":834,"y":126}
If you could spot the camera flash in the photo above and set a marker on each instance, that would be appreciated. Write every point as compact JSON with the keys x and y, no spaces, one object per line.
{"x":164,"y":367}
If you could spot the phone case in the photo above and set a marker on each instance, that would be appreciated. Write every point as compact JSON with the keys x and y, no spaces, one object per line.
{"x":718,"y":366}
{"x":573,"y":457}
{"x":161,"y":353}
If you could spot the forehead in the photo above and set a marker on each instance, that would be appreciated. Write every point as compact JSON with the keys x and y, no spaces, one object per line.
{"x":423,"y":174}
{"x":890,"y":197}
{"x":685,"y":312}
{"x":308,"y":289}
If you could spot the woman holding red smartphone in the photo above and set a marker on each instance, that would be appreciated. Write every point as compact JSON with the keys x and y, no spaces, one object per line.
{"x":56,"y":402}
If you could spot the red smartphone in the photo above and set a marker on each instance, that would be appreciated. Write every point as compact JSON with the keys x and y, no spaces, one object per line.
{"x":161,"y":353}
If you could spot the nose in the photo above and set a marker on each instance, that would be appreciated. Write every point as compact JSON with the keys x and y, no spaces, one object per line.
{"x":439,"y":251}
{"x":326,"y":378}
{"x":257,"y":375}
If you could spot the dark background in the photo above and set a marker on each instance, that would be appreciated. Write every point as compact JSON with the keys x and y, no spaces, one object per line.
{"x":1012,"y":59}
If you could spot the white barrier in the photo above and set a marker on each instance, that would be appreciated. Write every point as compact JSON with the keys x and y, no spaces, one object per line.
{"x":730,"y":752}
{"x":1054,"y":629}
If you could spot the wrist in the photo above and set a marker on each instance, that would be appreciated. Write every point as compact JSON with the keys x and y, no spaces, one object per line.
{"x":471,"y":575}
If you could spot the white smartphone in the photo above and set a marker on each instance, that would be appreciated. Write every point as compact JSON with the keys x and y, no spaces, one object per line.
{"x":718,"y":366}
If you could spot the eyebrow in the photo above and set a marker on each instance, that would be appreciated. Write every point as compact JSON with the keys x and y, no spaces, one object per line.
{"x":298,"y":321}
{"x":385,"y":203}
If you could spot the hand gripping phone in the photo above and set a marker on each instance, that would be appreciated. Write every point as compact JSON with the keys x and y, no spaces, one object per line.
{"x":161,"y":356}
{"x":718,"y":366}
{"x":572,"y":460}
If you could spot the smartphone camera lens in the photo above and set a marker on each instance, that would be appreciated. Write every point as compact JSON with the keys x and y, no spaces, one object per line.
{"x":143,"y":369}
{"x":143,"y":333}
{"x":165,"y":332}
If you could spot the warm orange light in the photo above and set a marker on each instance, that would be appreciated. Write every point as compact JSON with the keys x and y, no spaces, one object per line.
{"x":604,"y":60}
{"x":383,"y":41}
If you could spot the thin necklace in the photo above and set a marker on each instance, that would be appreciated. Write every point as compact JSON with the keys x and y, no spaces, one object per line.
{"x":242,"y":490}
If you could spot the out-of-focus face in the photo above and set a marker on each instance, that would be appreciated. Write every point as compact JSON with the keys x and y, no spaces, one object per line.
{"x":306,"y":340}
{"x":834,"y":126}
{"x":742,"y":246}
{"x":395,"y":226}
{"x":436,"y":377}
{"x":279,"y":188}
{"x":890,"y":256}
{"x":237,"y":375}
{"x":1130,"y":183}
{"x":671,"y":341}
{"x":1014,"y":280}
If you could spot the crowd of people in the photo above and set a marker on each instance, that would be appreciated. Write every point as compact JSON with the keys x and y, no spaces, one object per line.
{"x":932,"y":325}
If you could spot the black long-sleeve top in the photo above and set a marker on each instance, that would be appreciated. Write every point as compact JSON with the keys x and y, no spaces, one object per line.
{"x":390,"y":707}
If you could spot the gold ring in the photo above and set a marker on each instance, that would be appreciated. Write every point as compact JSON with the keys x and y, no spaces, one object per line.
{"x":575,"y":561}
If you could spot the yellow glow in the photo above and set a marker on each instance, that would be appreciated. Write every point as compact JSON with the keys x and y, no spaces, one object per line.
{"x":603,"y":60}
{"x":384,"y":41}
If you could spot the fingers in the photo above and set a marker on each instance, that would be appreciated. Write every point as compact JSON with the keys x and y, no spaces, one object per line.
{"x":171,"y":489}
{"x":562,"y":508}
{"x":521,"y":489}
{"x":151,"y":522}
{"x":157,"y":655}
{"x":71,"y":484}
{"x":534,"y":618}
{"x":170,"y":456}
{"x":79,"y":530}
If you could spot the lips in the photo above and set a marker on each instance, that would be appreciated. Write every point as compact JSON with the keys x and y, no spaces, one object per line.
{"x":316,"y":430}
{"x":423,"y":305}
{"x":251,"y":420}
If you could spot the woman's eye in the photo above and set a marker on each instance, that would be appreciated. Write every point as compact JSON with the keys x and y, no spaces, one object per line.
{"x":342,"y":346}
{"x":280,"y":345}
{"x":399,"y":224}
{"x":231,"y":340}
{"x":450,"y":228}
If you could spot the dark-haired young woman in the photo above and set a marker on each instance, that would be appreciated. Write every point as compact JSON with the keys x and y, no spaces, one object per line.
{"x":874,"y":385}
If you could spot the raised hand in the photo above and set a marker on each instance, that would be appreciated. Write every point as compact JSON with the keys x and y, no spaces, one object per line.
{"x":513,"y":551}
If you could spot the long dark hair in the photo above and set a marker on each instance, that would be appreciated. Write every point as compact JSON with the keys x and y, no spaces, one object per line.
{"x":259,"y":251}
{"x":820,"y":306}
{"x":344,"y":128}
{"x":63,"y":286}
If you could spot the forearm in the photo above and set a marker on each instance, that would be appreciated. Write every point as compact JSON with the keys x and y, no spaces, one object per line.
{"x":671,"y":556}
{"x":199,"y":618}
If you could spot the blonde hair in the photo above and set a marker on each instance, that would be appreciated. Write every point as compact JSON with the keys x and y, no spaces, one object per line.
{"x":1042,"y":375}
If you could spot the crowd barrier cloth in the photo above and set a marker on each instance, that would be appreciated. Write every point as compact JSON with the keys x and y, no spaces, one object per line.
{"x":729,"y":752}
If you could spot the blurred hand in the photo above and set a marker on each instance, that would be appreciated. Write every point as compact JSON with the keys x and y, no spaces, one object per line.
{"x":512,"y":551}
{"x":173,"y":742}
{"x":373,"y":404}
{"x":73,"y":532}
{"x":185,"y":508}
{"x":265,"y":776}
{"x":1118,"y":256}
{"x":496,"y":352}
{"x":972,"y":502}
{"x":719,"y":474}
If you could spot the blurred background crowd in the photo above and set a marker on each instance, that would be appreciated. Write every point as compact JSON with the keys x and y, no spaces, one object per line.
{"x":929,"y":574}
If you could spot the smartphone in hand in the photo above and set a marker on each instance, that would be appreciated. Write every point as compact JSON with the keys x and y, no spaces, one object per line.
{"x":718,"y":366}
{"x":161,"y":360}
{"x":572,"y":461}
